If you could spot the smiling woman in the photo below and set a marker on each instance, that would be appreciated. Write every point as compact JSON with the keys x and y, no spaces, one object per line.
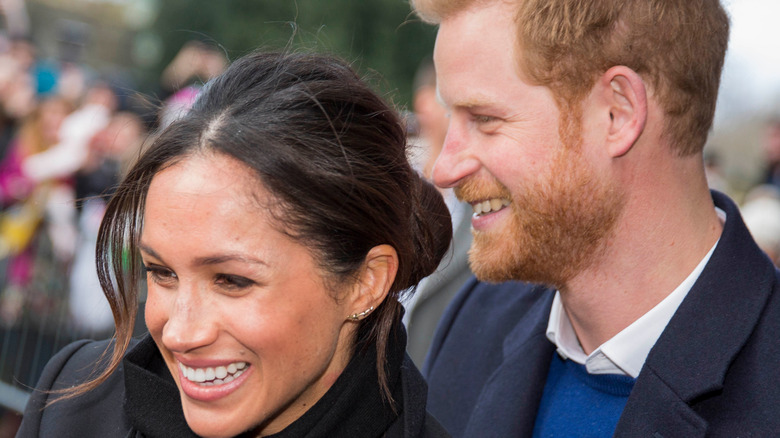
{"x":277,"y":223}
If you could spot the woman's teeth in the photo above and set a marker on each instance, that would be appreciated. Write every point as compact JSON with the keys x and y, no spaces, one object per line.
{"x":489,"y":206}
{"x":213,"y":376}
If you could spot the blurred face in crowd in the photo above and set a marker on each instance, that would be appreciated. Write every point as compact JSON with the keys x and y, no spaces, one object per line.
{"x":23,"y":52}
{"x":239,"y":311}
{"x":772,"y":143}
{"x":52,"y":113}
{"x":432,"y":117}
{"x":541,"y":207}
{"x":18,"y":99}
{"x":124,"y":133}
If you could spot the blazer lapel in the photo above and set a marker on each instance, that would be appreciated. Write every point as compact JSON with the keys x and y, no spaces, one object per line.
{"x":655,"y":410}
{"x":508,"y":403}
{"x":690,"y":360}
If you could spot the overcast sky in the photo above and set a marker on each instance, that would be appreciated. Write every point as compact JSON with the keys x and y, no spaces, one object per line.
{"x":751,"y":77}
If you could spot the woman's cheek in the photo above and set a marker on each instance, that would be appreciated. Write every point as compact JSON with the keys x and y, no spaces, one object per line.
{"x":154,"y":313}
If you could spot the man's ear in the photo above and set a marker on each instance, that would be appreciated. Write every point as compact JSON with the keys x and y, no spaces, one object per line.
{"x":624,"y":93}
{"x":375,"y":279}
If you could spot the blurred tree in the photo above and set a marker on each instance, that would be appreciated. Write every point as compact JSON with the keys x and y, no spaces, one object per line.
{"x":382,"y":38}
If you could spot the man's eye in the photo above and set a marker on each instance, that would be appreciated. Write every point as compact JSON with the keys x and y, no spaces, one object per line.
{"x":486,"y":124}
{"x":484,"y":119}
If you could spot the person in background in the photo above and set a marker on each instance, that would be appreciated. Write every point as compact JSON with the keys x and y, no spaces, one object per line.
{"x":425,"y":307}
{"x":15,"y":17}
{"x":715,"y":173}
{"x":617,"y":294}
{"x":17,"y":91}
{"x":195,"y":64}
{"x":277,"y":222}
{"x":39,"y":132}
{"x":761,"y":212}
{"x":771,"y":147}
{"x":110,"y":151}
{"x":68,"y":156}
{"x":24,"y":203}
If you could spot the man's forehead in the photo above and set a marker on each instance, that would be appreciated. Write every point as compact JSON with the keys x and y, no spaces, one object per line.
{"x":486,"y":34}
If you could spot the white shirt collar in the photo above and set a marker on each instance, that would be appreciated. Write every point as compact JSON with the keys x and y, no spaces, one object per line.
{"x":625,"y":353}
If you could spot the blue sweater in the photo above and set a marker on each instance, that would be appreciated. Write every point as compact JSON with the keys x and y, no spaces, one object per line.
{"x":579,"y":404}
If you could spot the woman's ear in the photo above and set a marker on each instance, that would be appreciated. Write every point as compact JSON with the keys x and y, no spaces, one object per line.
{"x":374,"y":282}
{"x":626,"y":102}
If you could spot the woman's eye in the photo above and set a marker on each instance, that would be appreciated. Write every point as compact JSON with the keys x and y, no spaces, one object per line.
{"x":233,"y":281}
{"x":160,"y":275}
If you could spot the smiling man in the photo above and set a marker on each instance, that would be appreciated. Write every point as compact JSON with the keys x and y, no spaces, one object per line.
{"x":616,"y":294}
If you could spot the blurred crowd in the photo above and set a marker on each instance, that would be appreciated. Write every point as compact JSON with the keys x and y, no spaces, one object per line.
{"x":760,"y":203}
{"x":67,"y":134}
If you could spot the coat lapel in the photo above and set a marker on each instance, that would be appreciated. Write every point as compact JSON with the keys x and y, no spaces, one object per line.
{"x":508,"y":403}
{"x":691,"y":358}
{"x":655,"y":410}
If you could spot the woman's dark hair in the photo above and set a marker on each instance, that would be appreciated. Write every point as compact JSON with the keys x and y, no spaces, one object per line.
{"x":332,"y":154}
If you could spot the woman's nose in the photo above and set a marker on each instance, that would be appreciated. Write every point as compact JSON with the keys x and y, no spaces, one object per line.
{"x":191,"y":323}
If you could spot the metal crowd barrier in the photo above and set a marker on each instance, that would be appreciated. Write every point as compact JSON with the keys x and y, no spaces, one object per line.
{"x":35,"y":324}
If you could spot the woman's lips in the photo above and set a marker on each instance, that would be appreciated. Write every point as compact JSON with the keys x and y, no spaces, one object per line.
{"x":212,"y":383}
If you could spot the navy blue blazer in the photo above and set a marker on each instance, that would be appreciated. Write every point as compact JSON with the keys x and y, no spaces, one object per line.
{"x":715,"y":370}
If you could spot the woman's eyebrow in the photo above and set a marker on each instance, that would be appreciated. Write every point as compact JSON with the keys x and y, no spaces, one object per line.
{"x":147,"y":249}
{"x":222,"y":258}
{"x":210,"y":260}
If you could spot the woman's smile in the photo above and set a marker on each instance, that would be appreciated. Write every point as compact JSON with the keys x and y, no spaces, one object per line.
{"x":213,"y":383}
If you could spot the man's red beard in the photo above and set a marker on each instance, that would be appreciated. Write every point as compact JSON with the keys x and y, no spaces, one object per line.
{"x":557,"y":225}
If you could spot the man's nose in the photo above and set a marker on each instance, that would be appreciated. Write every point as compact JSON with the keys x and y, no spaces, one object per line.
{"x":455,"y":161}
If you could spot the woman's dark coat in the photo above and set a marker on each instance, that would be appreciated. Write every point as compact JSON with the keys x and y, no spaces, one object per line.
{"x":140,"y":399}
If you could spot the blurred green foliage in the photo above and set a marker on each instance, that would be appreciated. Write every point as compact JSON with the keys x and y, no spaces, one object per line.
{"x":383,"y":39}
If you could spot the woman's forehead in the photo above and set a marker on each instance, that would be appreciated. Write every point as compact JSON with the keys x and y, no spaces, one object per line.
{"x":207,"y":175}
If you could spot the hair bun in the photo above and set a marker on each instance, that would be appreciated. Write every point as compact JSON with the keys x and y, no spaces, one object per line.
{"x":431,"y":229}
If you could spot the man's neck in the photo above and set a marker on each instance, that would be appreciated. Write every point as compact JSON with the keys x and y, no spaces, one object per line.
{"x":661,"y":237}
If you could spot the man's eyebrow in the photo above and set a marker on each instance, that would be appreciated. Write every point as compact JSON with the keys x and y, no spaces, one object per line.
{"x":472,"y":104}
